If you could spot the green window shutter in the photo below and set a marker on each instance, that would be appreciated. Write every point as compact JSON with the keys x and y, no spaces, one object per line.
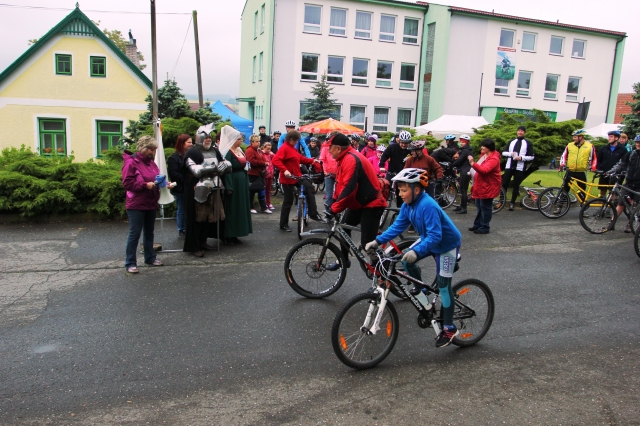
{"x":53,"y":136}
{"x":63,"y":64}
{"x":98,"y":66}
{"x":109,"y":135}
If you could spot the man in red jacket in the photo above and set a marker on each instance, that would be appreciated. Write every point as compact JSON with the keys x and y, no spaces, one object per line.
{"x":287,"y":160}
{"x":357,"y":190}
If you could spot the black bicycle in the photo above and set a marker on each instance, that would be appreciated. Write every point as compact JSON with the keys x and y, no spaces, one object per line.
{"x":366,"y":328}
{"x":599,"y":215}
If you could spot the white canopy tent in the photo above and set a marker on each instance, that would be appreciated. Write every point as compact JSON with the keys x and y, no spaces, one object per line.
{"x":601,"y":130}
{"x":456,"y":124}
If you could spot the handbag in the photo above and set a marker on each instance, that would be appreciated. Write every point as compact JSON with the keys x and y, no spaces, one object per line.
{"x":256,"y":184}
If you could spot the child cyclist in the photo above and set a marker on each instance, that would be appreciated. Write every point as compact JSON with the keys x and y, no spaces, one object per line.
{"x":439,"y":238}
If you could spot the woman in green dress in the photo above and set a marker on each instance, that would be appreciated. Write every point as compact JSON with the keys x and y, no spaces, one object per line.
{"x":237,"y":203}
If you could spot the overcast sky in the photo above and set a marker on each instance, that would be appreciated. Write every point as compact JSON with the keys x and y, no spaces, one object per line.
{"x":219,"y":27}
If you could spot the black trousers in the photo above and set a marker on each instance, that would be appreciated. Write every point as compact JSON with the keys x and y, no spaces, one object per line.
{"x":288,"y":191}
{"x":580,"y":176}
{"x":518,"y":176}
{"x":464,"y":189}
{"x":368,"y":219}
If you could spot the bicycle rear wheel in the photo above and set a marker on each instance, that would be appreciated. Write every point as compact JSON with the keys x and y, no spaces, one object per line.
{"x":275,"y":186}
{"x":352,"y":341}
{"x":301,"y":216}
{"x":558,"y":204}
{"x":596,"y":215}
{"x":445,"y":194}
{"x":306,"y":271}
{"x":473,"y":313}
{"x":636,"y":242}
{"x":499,"y":201}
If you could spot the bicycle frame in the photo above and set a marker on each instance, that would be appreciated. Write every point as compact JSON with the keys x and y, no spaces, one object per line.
{"x":629,"y":209}
{"x":573,"y":184}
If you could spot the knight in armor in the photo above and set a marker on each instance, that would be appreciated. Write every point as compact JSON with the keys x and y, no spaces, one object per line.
{"x":204,"y":187}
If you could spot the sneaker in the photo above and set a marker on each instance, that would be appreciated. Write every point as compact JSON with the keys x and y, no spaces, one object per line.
{"x":285,"y":228}
{"x":446,"y":336}
{"x":156,"y":263}
{"x":132,"y":269}
{"x":512,"y":206}
{"x":627,"y":229}
{"x":181,"y":234}
{"x":271,"y":207}
{"x":267,"y":211}
{"x":416,"y":290}
{"x":334,"y":266}
{"x":457,"y":209}
{"x":253,"y":211}
{"x":316,"y":217}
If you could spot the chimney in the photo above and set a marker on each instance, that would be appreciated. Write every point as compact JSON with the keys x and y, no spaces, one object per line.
{"x":132,"y":50}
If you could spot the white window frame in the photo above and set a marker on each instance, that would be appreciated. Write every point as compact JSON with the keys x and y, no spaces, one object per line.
{"x":535,"y":41}
{"x":362,"y":30}
{"x":384,"y":80}
{"x":561,"y":50}
{"x":310,"y":72}
{"x":358,"y":124}
{"x":549,"y":92}
{"x":520,"y":93}
{"x":262,"y":18}
{"x":570,"y":97}
{"x":253,"y":71}
{"x":399,"y":126}
{"x":310,"y":27}
{"x":500,"y":89}
{"x":391,"y":36}
{"x":366,"y":78}
{"x":408,"y":85}
{"x":404,"y":36}
{"x":513,"y":39}
{"x":336,"y":76}
{"x":338,"y":29}
{"x":584,"y":48}
{"x":381,"y":127}
{"x":255,"y":25}
{"x":260,"y":66}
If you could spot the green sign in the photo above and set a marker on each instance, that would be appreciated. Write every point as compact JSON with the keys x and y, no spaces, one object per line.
{"x":526,"y":112}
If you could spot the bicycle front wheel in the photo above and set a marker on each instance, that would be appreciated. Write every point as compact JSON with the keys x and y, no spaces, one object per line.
{"x":473,"y":313}
{"x":596,"y":215}
{"x":352,"y":341}
{"x":305,"y":268}
{"x":499,"y":201}
{"x":558,"y":203}
{"x":301,"y":217}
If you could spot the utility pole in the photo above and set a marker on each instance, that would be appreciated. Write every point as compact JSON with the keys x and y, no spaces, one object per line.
{"x":154,"y":66}
{"x":195,"y":34}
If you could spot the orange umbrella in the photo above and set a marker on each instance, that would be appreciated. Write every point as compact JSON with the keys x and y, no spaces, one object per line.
{"x":328,"y":126}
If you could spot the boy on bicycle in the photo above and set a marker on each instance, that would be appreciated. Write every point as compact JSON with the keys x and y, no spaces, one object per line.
{"x":439,"y":238}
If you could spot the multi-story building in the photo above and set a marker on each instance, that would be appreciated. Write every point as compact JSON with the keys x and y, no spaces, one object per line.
{"x":395,"y":64}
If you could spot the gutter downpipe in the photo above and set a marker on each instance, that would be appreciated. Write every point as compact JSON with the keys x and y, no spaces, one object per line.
{"x":613,"y":70}
{"x":420,"y":75}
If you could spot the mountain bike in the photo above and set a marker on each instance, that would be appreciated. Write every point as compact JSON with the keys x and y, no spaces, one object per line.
{"x":554,"y":202}
{"x":366,"y":328}
{"x":305,"y":266}
{"x":447,"y":188}
{"x":300,"y":198}
{"x":600,"y":215}
{"x":275,"y":185}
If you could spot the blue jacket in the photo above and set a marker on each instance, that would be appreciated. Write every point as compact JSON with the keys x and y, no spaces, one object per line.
{"x":307,"y":153}
{"x":437,"y":232}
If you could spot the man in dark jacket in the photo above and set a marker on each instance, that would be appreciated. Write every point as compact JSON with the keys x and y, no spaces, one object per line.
{"x":631,"y":164}
{"x":357,"y":191}
{"x":445,"y":155}
{"x":518,"y":153}
{"x":396,"y":153}
{"x":463,"y":166}
{"x":264,"y":137}
{"x":608,"y":156}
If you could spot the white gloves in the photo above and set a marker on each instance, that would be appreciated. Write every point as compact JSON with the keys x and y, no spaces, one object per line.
{"x":410,"y":257}
{"x":371,"y":246}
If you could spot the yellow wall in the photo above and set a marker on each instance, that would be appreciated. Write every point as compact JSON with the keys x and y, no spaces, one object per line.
{"x":41,"y":81}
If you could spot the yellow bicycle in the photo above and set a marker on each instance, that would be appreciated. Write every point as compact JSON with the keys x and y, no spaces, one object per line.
{"x":554,"y":202}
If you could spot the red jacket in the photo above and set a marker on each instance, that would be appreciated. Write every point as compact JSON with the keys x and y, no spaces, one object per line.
{"x":488,"y":180}
{"x":329,"y":164}
{"x":288,"y":158}
{"x":357,"y":185}
{"x":257,"y":161}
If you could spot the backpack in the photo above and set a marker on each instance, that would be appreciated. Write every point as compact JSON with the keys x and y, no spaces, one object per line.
{"x":385,"y":187}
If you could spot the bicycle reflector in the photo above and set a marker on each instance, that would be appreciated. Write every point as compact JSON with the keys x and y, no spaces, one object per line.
{"x":466,"y":335}
{"x":389,"y":328}
{"x":343,"y":343}
{"x":463,"y":291}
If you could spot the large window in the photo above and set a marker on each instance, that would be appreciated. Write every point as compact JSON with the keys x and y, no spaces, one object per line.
{"x":360,"y":72}
{"x":363,"y":25}
{"x":98,"y":66}
{"x":573,"y":89}
{"x":383,"y":74}
{"x":312,"y":15}
{"x":337,"y":113}
{"x":555,"y":48}
{"x":253,"y":70}
{"x":506,"y":37}
{"x":303,"y":109}
{"x":502,"y":87}
{"x":529,"y":42}
{"x":407,"y":76}
{"x":260,"y":66}
{"x":551,"y":86}
{"x":410,"y":34}
{"x":404,"y":119}
{"x":109,"y":135}
{"x":380,"y":119}
{"x":387,"y":28}
{"x":335,"y":69}
{"x":309,"y":67}
{"x":338,"y":22}
{"x":63,"y":64}
{"x":262,"y":18}
{"x":53,"y":136}
{"x":357,"y":115}
{"x":255,"y":25}
{"x":578,"y":49}
{"x":524,"y":83}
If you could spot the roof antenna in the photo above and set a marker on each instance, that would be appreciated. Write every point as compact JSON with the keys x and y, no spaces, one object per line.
{"x":77,"y":5}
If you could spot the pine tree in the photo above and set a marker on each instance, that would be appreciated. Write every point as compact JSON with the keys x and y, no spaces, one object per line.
{"x":322,"y":106}
{"x":631,"y":121}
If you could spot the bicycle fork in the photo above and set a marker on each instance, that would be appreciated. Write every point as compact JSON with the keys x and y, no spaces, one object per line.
{"x":376,"y":323}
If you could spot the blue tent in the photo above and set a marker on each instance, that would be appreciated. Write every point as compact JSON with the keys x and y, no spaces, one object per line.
{"x":243,"y":125}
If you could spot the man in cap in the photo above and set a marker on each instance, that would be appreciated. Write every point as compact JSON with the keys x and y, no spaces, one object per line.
{"x":264,"y":137}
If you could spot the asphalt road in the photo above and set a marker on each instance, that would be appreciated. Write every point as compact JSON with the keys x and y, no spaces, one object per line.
{"x":224,"y":340}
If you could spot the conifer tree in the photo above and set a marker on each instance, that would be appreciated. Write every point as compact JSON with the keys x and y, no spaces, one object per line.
{"x":631,"y":121}
{"x":321,"y":106}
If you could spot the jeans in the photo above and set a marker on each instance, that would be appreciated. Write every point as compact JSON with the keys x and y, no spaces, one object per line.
{"x":329,"y":184}
{"x":485,"y":209}
{"x":180,"y":214}
{"x":140,"y":220}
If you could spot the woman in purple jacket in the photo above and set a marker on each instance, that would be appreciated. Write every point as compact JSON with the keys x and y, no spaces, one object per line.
{"x":139,"y":179}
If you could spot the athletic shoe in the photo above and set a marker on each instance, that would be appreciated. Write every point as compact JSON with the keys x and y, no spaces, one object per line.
{"x":334,"y":266}
{"x":271,"y":207}
{"x":253,"y":211}
{"x":461,"y":211}
{"x":156,"y":263}
{"x":285,"y":228}
{"x":267,"y":211}
{"x":132,"y":269}
{"x":316,"y":217}
{"x":512,"y":206}
{"x":446,"y":336}
{"x":627,"y":229}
